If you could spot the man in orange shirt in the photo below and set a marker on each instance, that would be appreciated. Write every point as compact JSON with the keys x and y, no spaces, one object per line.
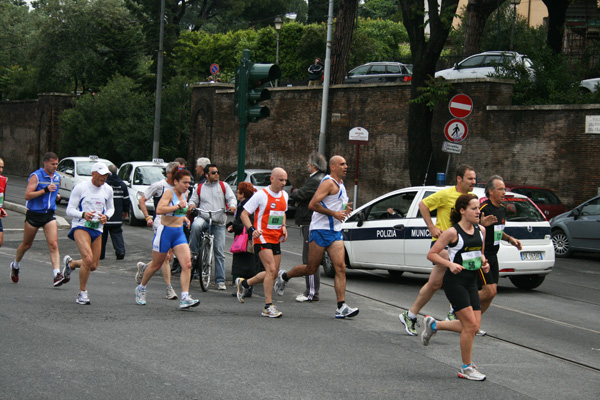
{"x":269,"y":230}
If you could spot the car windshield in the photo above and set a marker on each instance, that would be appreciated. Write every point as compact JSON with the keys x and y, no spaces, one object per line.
{"x":148,"y":175}
{"x":261,"y":179}
{"x":84,"y":168}
{"x":539,"y":196}
{"x":522,"y":210}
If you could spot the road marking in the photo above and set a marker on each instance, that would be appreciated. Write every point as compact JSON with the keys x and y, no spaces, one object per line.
{"x":546,"y":319}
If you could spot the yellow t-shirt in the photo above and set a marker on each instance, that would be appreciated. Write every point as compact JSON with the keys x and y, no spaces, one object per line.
{"x":444,"y":202}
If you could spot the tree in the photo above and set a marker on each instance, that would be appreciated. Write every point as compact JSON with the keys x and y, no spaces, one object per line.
{"x":318,"y":11}
{"x":426,"y":50}
{"x":344,"y":26}
{"x":557,"y":11}
{"x":477,"y":14}
{"x":381,"y":9}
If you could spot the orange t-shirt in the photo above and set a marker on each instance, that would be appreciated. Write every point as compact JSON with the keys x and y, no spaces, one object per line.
{"x":269,"y":212}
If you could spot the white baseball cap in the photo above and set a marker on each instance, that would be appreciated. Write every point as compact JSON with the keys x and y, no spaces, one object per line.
{"x":100,"y":168}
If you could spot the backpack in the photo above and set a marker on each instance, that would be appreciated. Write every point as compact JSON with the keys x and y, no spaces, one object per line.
{"x":222,"y":187}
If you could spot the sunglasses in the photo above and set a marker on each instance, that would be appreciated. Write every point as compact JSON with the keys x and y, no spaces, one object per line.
{"x":214,"y":172}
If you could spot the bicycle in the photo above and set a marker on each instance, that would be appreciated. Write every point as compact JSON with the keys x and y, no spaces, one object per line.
{"x":202,"y":262}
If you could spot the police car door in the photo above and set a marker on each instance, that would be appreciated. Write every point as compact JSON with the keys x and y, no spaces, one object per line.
{"x":417,"y":236}
{"x":376,"y":239}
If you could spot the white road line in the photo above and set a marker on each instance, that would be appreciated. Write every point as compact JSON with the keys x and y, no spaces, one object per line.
{"x":546,"y":319}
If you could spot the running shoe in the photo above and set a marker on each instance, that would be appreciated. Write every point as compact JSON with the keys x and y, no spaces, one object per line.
{"x":280,"y":284}
{"x":428,"y":332}
{"x":141,"y":267}
{"x":59,"y":279}
{"x":271,"y":312}
{"x":66,"y":272}
{"x":471,"y":373}
{"x":188,"y":302}
{"x":140,"y":295}
{"x":14,"y":273}
{"x":481,"y":332}
{"x":171,"y":295}
{"x":82,"y":298}
{"x":346,"y":312}
{"x":241,"y":290}
{"x":451,"y":316}
{"x":410,"y":325}
{"x":221,"y":286}
{"x":302,"y":298}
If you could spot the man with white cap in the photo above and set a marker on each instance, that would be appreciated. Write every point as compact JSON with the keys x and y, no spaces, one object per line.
{"x":90,"y":205}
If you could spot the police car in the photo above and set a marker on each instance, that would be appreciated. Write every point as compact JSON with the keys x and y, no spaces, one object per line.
{"x":138,"y":176}
{"x":389,"y":233}
{"x":73,"y":170}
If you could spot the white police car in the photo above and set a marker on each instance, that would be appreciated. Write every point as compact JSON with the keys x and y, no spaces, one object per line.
{"x":73,"y":170}
{"x":138,"y":175}
{"x":375,"y":238}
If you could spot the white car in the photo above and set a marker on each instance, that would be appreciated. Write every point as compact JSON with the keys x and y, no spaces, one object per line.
{"x":73,"y":170}
{"x":484,"y":64}
{"x":376,"y":239}
{"x":589,"y":85}
{"x":138,"y":176}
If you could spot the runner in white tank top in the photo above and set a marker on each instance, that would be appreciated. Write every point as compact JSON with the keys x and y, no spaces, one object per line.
{"x":334,"y":202}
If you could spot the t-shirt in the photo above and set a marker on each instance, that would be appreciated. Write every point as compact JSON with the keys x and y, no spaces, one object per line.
{"x":444,"y":201}
{"x":269,"y":213}
{"x":493,"y":232}
{"x":87,"y":197}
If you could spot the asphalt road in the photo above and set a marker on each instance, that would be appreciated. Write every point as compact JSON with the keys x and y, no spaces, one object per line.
{"x":541,"y":344}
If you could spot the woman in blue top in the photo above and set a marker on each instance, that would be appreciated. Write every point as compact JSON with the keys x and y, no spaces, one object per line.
{"x":465,"y":243}
{"x":173,"y":207}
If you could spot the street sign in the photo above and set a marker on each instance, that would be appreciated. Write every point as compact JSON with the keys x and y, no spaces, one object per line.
{"x":359,"y":136}
{"x":460,"y":106}
{"x":214,"y":69}
{"x":455,"y":148}
{"x":456,"y":130}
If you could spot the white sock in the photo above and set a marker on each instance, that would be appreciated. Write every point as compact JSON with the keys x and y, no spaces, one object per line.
{"x":16,"y":265}
{"x":55,"y":272}
{"x":411,"y":315}
{"x":451,"y":309}
{"x":184,"y":295}
{"x":142,"y":287}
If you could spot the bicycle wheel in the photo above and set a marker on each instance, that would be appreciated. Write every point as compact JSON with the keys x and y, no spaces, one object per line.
{"x":207,"y":255}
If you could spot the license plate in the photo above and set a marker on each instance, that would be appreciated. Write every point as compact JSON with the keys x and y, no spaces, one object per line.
{"x":531,"y":255}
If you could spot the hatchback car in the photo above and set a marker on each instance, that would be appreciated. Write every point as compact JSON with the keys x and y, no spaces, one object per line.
{"x":546,"y":200}
{"x":374,"y":238}
{"x":138,"y":176}
{"x":484,"y":64}
{"x":589,"y":85}
{"x":578,"y":229}
{"x":260,"y":179}
{"x":380,"y":72}
{"x":73,"y":170}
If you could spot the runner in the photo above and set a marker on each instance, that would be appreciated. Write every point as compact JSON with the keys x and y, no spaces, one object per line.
{"x":465,"y":241}
{"x":3,"y":214}
{"x":90,"y":205}
{"x":40,"y":196}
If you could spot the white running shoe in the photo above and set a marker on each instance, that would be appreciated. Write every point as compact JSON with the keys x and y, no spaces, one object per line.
{"x":82,"y":298}
{"x":428,"y":332}
{"x":271,"y":312}
{"x":221,"y":286}
{"x":241,"y":290}
{"x":346,"y":312}
{"x":188,"y":302}
{"x":140,"y":295}
{"x":280,"y":284}
{"x":471,"y":373}
{"x":141,"y":267}
{"x":171,"y":295}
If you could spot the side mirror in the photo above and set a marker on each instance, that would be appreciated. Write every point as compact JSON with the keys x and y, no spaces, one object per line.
{"x":361,"y":219}
{"x":70,"y":172}
{"x":456,"y":66}
{"x":576,"y":212}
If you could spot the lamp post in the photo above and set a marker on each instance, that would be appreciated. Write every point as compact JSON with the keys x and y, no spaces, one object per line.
{"x":278,"y":22}
{"x":515,"y":3}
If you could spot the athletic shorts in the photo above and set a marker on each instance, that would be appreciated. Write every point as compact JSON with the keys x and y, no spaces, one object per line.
{"x":167,"y":238}
{"x":37,"y":220}
{"x":325,"y":237}
{"x":493,"y":275}
{"x":461,"y":289}
{"x":276,"y":248}
{"x":94,"y":233}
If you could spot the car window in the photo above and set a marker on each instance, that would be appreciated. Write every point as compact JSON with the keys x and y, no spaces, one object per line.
{"x":591,"y":208}
{"x":85,"y":167}
{"x":394,"y":69}
{"x":399,"y":203}
{"x":148,"y":175}
{"x":434,"y":212}
{"x":231,"y":179}
{"x":493,"y":60}
{"x":522,"y":210}
{"x":362,"y":70}
{"x":377,"y":69}
{"x":64,"y":165}
{"x":472,"y":62}
{"x":124,"y":172}
{"x":261,"y":179}
{"x":540,"y":196}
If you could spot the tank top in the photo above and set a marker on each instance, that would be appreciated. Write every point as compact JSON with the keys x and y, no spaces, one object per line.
{"x":269,"y":219}
{"x":47,"y":201}
{"x":466,"y":251}
{"x":335,"y":202}
{"x":180,"y":212}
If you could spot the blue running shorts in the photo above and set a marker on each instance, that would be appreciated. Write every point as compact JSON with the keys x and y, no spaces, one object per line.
{"x":325,"y":237}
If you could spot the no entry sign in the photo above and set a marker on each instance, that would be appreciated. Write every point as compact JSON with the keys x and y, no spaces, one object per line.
{"x":460,"y":106}
{"x":456,"y":130}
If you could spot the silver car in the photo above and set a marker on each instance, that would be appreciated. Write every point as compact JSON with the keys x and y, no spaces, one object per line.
{"x":260,"y":179}
{"x":578,"y":229}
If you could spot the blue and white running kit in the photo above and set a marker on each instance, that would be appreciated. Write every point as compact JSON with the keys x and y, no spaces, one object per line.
{"x":87,"y":197}
{"x":167,"y":237}
{"x":325,"y":229}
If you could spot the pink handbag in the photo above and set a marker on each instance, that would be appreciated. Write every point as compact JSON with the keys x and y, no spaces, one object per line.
{"x":241,"y":244}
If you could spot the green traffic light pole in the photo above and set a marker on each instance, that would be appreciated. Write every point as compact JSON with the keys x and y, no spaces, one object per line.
{"x":241,"y":83}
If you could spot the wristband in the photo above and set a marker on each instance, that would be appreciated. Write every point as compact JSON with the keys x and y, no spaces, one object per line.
{"x":148,"y":217}
{"x":46,"y":190}
{"x":251,"y":230}
{"x":83,"y":215}
{"x":284,"y":226}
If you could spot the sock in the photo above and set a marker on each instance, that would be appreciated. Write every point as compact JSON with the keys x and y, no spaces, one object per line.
{"x":467,"y":365}
{"x":268,"y":305}
{"x":142,"y":287}
{"x":434,"y":326}
{"x":55,"y":272}
{"x":245,"y":284}
{"x":341,"y":304}
{"x":411,"y":315}
{"x":184,"y":295}
{"x":285,"y":277}
{"x":16,"y":265}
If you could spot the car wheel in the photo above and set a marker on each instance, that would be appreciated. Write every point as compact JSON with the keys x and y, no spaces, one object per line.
{"x":328,"y":266}
{"x":560,"y":241}
{"x":395,"y":274}
{"x":527,"y":282}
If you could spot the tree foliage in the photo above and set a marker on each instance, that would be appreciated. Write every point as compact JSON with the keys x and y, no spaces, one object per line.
{"x":381,"y":9}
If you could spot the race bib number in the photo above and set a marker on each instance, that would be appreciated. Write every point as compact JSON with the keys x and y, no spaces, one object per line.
{"x":92,"y":224}
{"x":180,"y":212}
{"x":275,"y":219}
{"x":471,"y":260}
{"x":498,"y":231}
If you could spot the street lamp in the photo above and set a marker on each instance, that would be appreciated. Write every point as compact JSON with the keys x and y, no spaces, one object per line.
{"x":278,"y":22}
{"x":515,"y":3}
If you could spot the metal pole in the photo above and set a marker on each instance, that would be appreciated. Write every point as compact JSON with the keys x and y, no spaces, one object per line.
{"x":447,"y":166}
{"x":512,"y":31}
{"x":243,"y":119}
{"x":498,"y":14}
{"x":323,"y":130}
{"x":277,"y":58}
{"x":355,"y":204}
{"x":159,"y":76}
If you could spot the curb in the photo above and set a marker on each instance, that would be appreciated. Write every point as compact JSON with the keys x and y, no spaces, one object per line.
{"x":61,"y":221}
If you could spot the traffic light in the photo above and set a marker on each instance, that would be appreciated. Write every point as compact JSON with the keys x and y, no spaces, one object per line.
{"x":250,"y":82}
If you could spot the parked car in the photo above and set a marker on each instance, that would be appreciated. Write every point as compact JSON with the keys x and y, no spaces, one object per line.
{"x":484,"y":64}
{"x":73,"y":170}
{"x":544,"y":198}
{"x":260,"y":179}
{"x":376,"y":239}
{"x":138,"y":176}
{"x":578,"y":229}
{"x":589,"y":85}
{"x":380,"y":72}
